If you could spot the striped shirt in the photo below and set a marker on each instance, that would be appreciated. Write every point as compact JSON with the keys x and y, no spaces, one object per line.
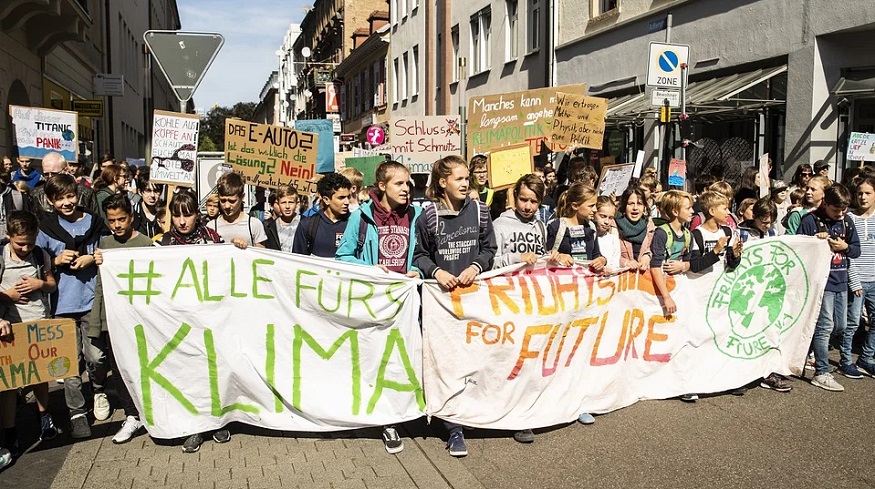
{"x":862,"y":269}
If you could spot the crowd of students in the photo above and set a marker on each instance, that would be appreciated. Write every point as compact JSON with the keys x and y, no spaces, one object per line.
{"x":55,"y":237}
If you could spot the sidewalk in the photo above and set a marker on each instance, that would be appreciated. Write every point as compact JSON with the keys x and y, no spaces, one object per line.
{"x":256,"y":458}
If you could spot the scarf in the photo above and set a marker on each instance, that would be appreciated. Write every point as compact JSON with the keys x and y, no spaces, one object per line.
{"x":200,"y":235}
{"x":632,"y":232}
{"x":52,"y":228}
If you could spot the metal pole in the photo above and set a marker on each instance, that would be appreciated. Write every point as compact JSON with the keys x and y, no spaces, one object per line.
{"x":683,"y":114}
{"x":463,"y":118}
{"x":668,"y":27}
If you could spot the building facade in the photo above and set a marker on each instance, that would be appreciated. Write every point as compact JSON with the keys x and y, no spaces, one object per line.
{"x":268,"y":109}
{"x":782,"y":77}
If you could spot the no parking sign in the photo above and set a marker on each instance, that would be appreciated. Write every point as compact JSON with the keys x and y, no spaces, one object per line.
{"x":664,"y":65}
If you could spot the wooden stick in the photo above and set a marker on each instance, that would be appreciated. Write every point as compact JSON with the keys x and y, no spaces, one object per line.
{"x":170,"y":190}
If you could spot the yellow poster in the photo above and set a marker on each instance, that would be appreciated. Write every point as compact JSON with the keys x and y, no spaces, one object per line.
{"x":507,"y":165}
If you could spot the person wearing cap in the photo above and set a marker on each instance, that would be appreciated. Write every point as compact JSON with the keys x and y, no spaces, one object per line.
{"x":26,"y":174}
{"x":779,"y":194}
{"x":821,"y":168}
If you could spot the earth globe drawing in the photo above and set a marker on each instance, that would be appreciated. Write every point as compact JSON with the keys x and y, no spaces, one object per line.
{"x":59,"y":367}
{"x":757,"y":300}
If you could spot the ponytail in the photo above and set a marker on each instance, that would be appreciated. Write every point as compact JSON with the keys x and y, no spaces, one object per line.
{"x":577,"y":193}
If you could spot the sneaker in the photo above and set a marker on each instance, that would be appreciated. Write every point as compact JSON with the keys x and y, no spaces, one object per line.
{"x":586,"y":418}
{"x":456,"y":444}
{"x":809,"y":362}
{"x":690,"y":397}
{"x":129,"y":428}
{"x":102,"y":409}
{"x":850,"y":371}
{"x":80,"y":427}
{"x":828,"y":382}
{"x":47,"y":427}
{"x":5,"y":458}
{"x":391,"y":440}
{"x":776,"y":383}
{"x":193,"y":443}
{"x":865,"y":367}
{"x":524,"y":436}
{"x":222,"y":436}
{"x":738,"y":391}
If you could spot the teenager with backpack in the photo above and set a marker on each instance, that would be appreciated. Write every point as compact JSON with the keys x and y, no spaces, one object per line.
{"x":320,"y":234}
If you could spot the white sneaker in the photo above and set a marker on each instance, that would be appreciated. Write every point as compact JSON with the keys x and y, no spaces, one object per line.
{"x":129,"y":428}
{"x":828,"y":382}
{"x":102,"y":410}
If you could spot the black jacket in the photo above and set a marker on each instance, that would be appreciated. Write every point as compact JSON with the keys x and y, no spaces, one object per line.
{"x":42,"y":207}
{"x":273,"y":235}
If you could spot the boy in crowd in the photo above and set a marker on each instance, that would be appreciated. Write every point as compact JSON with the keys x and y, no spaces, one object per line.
{"x":671,"y":244}
{"x":212,"y":207}
{"x":70,"y":235}
{"x":27,"y":280}
{"x":356,"y":179}
{"x":25,"y":173}
{"x":232,"y":225}
{"x":320,"y":234}
{"x":814,"y":191}
{"x":120,"y":218}
{"x":281,"y":229}
{"x":828,"y":221}
{"x":146,"y":210}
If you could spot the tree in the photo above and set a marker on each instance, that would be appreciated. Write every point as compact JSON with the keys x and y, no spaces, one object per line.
{"x":212,"y":127}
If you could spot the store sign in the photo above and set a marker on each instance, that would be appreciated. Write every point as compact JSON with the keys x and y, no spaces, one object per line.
{"x":376,"y":135}
{"x":88,"y":108}
{"x":109,"y":85}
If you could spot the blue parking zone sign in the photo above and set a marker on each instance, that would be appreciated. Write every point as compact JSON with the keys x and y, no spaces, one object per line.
{"x":664,"y":64}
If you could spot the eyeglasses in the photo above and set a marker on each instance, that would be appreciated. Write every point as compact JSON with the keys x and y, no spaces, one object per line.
{"x":806,"y":174}
{"x":480,"y":172}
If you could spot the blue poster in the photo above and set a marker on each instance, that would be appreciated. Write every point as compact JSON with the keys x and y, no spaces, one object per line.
{"x":325,"y":151}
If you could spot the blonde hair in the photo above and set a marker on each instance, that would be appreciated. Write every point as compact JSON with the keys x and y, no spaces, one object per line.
{"x":213,"y":198}
{"x":442,"y":168}
{"x":711,"y":199}
{"x":649,"y":182}
{"x":824,"y":182}
{"x":671,"y":202}
{"x":355,"y":177}
{"x":723,"y":188}
{"x":577,"y":193}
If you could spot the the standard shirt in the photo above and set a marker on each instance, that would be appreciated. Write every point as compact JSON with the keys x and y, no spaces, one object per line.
{"x":245,"y":227}
{"x":709,"y":241}
{"x":37,"y":306}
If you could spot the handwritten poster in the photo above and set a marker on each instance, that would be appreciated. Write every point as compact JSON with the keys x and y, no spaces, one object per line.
{"x":861,"y":147}
{"x":615,"y":179}
{"x":417,"y":142}
{"x":39,"y":351}
{"x":270,"y":156}
{"x":579,"y":121}
{"x":508,"y":119}
{"x":174,"y":148}
{"x":325,"y":129}
{"x":677,"y":172}
{"x":41,"y":131}
{"x":507,"y":165}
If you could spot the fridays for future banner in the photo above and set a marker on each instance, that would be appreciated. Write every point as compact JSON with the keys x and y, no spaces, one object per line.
{"x":211,"y":334}
{"x":40,"y":131}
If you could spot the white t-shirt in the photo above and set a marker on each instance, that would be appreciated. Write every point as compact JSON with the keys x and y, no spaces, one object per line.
{"x":286,"y":233}
{"x":609,"y":245}
{"x":709,"y":239}
{"x":245,"y":227}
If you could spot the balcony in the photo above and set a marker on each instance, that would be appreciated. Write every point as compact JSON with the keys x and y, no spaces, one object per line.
{"x":46,"y":23}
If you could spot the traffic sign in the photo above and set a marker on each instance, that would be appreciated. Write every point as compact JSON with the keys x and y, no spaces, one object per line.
{"x":184,"y":57}
{"x":664,"y":64}
{"x":658,"y":98}
{"x":376,"y":135}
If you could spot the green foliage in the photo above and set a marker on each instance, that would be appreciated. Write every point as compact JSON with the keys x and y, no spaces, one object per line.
{"x":212,"y":128}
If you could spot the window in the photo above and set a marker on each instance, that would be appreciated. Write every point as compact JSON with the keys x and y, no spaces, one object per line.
{"x":606,"y":6}
{"x":402,"y":9}
{"x":454,"y":35}
{"x":395,"y":82}
{"x":413,"y":5}
{"x":404,"y":76}
{"x":481,"y":37}
{"x":414,"y":72}
{"x":534,"y":27}
{"x":393,"y":11}
{"x":511,"y":49}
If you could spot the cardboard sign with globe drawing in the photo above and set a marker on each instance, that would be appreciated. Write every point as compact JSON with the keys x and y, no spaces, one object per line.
{"x":38,"y":351}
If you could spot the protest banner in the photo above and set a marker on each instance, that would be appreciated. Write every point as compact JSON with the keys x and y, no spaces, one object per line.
{"x":207,"y":335}
{"x":677,"y":173}
{"x":270,"y":156}
{"x":579,"y":121}
{"x":40,"y":131}
{"x":367,"y":165}
{"x":506,"y":165}
{"x":536,"y":349}
{"x":861,"y":147}
{"x":325,"y":150}
{"x":174,"y":148}
{"x":615,"y":178}
{"x":514,"y":118}
{"x":39,"y":351}
{"x":417,"y":142}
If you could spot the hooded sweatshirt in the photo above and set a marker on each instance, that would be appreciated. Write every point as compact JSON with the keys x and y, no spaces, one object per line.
{"x":389,"y":236}
{"x":319,"y":236}
{"x":516,"y":236}
{"x":453,"y":241}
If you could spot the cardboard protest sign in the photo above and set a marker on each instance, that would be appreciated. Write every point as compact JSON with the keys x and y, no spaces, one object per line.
{"x":764,"y":175}
{"x":174,"y":148}
{"x":417,"y":142}
{"x":677,"y":173}
{"x":270,"y":156}
{"x":579,"y":121}
{"x":537,"y":348}
{"x":514,"y":118}
{"x":325,"y":151}
{"x":367,"y":165}
{"x":861,"y":147}
{"x":207,"y":335}
{"x":615,"y":178}
{"x":507,"y":165}
{"x":39,"y":351}
{"x":40,"y":131}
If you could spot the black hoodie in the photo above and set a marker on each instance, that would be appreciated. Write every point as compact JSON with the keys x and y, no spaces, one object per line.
{"x":317,"y":235}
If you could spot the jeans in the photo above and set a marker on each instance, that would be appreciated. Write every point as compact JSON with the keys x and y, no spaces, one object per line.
{"x":833,"y":316}
{"x":855,"y":311}
{"x":91,"y":357}
{"x":121,"y":390}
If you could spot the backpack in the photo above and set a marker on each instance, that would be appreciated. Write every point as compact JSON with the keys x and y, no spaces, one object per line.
{"x":431,"y":216}
{"x":560,"y":234}
{"x":700,"y":240}
{"x":312,"y":227}
{"x":821,"y":226}
{"x":38,"y":259}
{"x":669,"y":242}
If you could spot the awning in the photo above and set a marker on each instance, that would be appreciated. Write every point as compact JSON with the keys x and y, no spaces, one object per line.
{"x":856,"y":82}
{"x":741,"y":92}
